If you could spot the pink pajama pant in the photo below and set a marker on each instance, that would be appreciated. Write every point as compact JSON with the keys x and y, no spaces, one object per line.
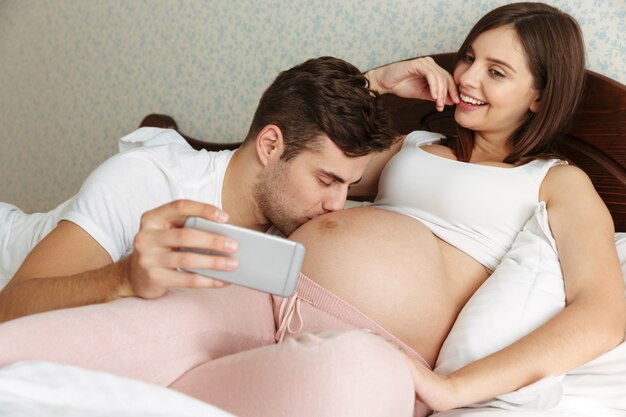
{"x":241,"y":350}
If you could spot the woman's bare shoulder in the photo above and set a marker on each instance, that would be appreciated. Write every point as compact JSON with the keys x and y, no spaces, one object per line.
{"x":566,"y":180}
{"x":564,"y":174}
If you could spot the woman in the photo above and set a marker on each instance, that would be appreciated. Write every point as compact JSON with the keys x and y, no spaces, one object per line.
{"x":447,"y":210}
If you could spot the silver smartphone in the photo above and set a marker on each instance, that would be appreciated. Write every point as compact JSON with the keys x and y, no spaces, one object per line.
{"x":266,"y":262}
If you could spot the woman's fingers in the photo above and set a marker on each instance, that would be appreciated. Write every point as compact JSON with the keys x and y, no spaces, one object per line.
{"x":440,"y":82}
{"x":453,"y":91}
{"x":420,"y":78}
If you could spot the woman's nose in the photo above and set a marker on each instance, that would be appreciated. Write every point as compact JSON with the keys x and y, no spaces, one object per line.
{"x":469,"y":77}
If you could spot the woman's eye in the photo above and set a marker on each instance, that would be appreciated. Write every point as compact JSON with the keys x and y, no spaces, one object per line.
{"x":468,"y":58}
{"x":496,"y":73}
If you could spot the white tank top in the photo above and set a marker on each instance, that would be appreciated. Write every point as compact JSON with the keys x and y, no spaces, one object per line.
{"x":477,"y":208}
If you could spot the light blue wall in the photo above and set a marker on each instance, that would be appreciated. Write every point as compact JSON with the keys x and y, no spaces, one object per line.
{"x":76,"y":75}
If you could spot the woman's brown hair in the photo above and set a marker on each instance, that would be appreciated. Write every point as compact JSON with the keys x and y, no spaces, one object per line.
{"x":555,"y":53}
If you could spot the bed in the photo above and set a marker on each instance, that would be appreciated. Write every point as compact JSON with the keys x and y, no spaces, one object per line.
{"x":596,"y":143}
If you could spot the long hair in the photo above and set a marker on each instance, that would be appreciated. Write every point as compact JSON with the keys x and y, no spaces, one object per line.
{"x":555,"y":53}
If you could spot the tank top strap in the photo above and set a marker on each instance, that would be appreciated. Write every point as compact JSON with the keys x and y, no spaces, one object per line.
{"x":538,"y":169}
{"x":418,"y":138}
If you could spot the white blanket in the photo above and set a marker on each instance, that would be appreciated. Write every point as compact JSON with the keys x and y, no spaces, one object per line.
{"x":46,"y":389}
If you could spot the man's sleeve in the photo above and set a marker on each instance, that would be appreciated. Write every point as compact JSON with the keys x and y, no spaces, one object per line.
{"x":111,"y":201}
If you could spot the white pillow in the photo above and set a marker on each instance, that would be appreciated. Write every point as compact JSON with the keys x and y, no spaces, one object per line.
{"x":524,"y":291}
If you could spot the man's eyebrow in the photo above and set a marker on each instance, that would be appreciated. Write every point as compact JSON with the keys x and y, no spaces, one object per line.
{"x":337,"y":177}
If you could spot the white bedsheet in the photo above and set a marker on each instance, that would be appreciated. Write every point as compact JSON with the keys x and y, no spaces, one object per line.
{"x":47,"y":389}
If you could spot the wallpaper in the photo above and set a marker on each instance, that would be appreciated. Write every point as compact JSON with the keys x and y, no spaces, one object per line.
{"x":77,"y":75}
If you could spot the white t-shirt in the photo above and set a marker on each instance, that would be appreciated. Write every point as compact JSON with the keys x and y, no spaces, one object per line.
{"x":163,"y":168}
{"x":19,"y":233}
{"x":155,"y":166}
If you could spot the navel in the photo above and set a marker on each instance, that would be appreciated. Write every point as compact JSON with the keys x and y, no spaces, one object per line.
{"x":328,"y":224}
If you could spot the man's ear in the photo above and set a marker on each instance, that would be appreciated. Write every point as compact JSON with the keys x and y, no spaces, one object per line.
{"x":269,"y":144}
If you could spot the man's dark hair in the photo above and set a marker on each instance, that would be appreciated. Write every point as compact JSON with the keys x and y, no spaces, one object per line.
{"x":328,"y":96}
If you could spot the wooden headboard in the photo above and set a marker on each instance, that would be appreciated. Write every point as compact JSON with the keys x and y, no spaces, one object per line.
{"x":596,"y":142}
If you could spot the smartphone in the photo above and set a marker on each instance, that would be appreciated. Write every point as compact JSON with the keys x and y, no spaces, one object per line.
{"x":266,"y":262}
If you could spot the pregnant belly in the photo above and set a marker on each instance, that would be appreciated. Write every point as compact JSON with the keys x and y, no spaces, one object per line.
{"x":394,"y":270}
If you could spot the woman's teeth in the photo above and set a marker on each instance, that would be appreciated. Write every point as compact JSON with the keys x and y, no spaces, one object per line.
{"x":471,"y":100}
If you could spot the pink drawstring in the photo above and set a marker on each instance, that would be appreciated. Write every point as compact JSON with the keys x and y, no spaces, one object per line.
{"x":285,"y":315}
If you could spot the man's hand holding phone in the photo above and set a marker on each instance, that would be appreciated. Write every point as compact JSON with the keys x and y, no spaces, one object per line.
{"x":156,"y":262}
{"x":266,"y":263}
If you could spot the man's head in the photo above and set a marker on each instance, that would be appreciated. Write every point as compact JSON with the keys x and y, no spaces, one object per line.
{"x":313,"y":132}
{"x":323,"y":97}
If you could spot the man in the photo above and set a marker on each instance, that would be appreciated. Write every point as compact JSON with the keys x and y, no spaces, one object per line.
{"x":311,"y":137}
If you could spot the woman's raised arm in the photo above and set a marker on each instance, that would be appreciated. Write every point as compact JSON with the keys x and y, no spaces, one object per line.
{"x":419,"y":78}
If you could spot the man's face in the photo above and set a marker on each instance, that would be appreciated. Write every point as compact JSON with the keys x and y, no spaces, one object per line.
{"x":308,"y":185}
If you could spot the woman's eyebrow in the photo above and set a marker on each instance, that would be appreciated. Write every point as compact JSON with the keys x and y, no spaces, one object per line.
{"x":503,"y":63}
{"x":497,"y":61}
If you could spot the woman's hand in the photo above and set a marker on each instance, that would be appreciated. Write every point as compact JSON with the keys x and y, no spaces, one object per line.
{"x":439,"y":392}
{"x":419,"y":78}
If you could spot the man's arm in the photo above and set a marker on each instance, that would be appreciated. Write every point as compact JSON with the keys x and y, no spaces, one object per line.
{"x":68,"y":268}
{"x":53,"y":275}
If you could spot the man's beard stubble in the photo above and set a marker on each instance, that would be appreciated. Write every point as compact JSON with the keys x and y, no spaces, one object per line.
{"x":269,"y":193}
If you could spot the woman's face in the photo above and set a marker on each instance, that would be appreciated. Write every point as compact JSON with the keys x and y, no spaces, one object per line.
{"x":495,"y":85}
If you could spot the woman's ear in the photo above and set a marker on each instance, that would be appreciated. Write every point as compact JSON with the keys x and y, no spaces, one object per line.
{"x":269,"y":144}
{"x":535,"y":105}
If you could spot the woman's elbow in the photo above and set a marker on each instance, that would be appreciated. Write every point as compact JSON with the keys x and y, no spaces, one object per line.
{"x":612,"y":328}
{"x":618,"y":329}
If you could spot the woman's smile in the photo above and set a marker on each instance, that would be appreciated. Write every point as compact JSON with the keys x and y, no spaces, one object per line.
{"x":468,"y":103}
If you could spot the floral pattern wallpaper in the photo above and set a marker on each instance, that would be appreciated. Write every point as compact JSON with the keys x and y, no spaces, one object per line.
{"x":77,"y":75}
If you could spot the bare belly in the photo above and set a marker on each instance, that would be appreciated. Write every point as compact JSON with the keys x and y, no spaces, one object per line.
{"x":393,"y":269}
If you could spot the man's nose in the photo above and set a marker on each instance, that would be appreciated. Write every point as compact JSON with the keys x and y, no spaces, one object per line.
{"x":335,"y":200}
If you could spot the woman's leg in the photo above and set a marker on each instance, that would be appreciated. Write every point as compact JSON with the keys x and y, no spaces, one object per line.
{"x":346,"y":373}
{"x":151,"y":340}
